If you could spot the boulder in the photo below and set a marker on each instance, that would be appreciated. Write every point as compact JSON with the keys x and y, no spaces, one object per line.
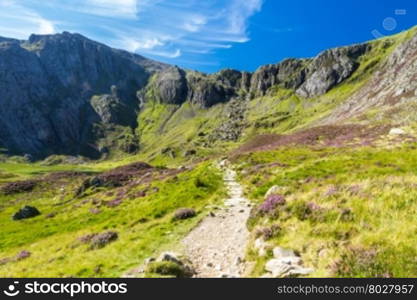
{"x":277,"y":268}
{"x":397,"y":131}
{"x":170,"y":256}
{"x":283,"y":253}
{"x":26,"y":213}
{"x":261,"y":247}
{"x":273,"y":190}
{"x":170,"y":263}
{"x":184,"y":213}
{"x":286,"y":264}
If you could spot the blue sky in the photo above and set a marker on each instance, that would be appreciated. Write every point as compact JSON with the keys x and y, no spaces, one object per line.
{"x":212,"y":34}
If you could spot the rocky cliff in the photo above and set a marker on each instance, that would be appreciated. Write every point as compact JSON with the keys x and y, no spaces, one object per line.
{"x":46,"y":87}
{"x":308,"y":77}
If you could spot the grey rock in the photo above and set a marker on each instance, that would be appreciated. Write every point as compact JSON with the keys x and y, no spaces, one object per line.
{"x":277,"y":268}
{"x":289,"y":74}
{"x":206,"y":90}
{"x":330,"y":68}
{"x":397,"y":131}
{"x":26,"y":213}
{"x":171,"y":257}
{"x":171,"y":86}
{"x":280,"y":252}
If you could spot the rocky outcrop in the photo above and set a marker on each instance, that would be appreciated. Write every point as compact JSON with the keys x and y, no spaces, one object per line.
{"x":308,"y":77}
{"x":64,"y":94}
{"x":112,"y":110}
{"x":206,"y":90}
{"x":394,"y":84}
{"x":330,"y":68}
{"x":171,"y":86}
{"x":289,"y":74}
{"x":233,"y":122}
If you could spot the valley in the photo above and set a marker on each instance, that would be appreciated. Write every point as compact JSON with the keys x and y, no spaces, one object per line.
{"x":120,"y":157}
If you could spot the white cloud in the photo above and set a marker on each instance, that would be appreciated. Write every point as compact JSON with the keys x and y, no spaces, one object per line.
{"x":195,"y":23}
{"x":239,"y":13}
{"x":19,"y":22}
{"x":109,"y":8}
{"x":160,"y":28}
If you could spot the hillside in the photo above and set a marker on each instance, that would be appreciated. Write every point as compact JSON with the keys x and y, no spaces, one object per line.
{"x":122,"y":157}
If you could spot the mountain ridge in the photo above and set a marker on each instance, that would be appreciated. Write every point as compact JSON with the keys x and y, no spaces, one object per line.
{"x":75,"y":96}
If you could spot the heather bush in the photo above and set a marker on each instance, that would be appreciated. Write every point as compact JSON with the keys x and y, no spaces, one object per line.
{"x":358,"y":260}
{"x":269,"y":232}
{"x":271,"y":203}
{"x":101,"y":240}
{"x":98,"y":240}
{"x":23,"y":255}
{"x":168,"y":268}
{"x":19,"y":187}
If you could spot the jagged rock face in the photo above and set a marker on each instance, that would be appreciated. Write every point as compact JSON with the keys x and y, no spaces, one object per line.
{"x":175,"y":86}
{"x":171,"y":86}
{"x":229,"y":77}
{"x":289,"y":74}
{"x":112,"y":110}
{"x":308,"y":77}
{"x":46,"y":84}
{"x":206,"y":91}
{"x":395,"y":83}
{"x":330,"y":68}
{"x":245,"y":81}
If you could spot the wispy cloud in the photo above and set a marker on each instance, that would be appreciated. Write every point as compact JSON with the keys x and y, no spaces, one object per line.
{"x":185,"y":29}
{"x":124,"y":9}
{"x":17,"y":21}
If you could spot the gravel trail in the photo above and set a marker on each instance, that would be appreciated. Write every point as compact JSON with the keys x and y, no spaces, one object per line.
{"x":217,"y":245}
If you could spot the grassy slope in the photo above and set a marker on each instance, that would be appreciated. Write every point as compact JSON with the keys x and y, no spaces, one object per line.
{"x":363,"y":219}
{"x":164,"y":126}
{"x":53,"y":241}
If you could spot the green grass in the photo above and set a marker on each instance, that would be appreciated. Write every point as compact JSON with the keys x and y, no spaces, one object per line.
{"x":144,"y":225}
{"x":365,"y":225}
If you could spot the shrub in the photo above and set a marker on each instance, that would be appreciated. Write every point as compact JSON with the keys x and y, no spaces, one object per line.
{"x":271,"y":203}
{"x":168,"y":268}
{"x":99,"y":240}
{"x":19,"y":187}
{"x":359,"y":262}
{"x":268,"y":232}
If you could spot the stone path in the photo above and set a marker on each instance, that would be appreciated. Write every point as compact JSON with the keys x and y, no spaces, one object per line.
{"x":217,"y":245}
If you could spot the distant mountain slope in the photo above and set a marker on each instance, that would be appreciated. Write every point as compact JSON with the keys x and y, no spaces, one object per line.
{"x":46,"y":84}
{"x":66,"y":94}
